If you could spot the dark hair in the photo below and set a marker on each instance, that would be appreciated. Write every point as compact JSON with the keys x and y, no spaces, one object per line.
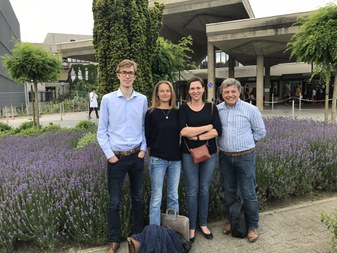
{"x":195,"y":79}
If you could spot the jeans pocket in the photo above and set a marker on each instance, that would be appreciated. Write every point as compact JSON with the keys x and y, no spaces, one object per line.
{"x":249,"y":157}
{"x":155,"y":160}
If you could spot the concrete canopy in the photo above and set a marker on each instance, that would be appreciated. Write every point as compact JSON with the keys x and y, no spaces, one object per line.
{"x":184,"y":18}
{"x":244,"y":40}
{"x":181,"y":18}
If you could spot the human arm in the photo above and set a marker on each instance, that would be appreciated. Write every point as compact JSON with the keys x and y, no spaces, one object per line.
{"x":258,"y":126}
{"x":143,"y":145}
{"x":190,"y":131}
{"x":102,"y":131}
{"x":215,"y":122}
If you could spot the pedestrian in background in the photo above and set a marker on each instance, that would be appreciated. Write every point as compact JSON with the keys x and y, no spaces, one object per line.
{"x":93,"y":103}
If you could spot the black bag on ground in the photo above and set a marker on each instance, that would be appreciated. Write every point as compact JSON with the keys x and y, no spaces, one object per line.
{"x":238,"y":219}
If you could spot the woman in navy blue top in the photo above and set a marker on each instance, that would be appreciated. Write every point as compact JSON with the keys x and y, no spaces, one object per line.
{"x":163,"y":142}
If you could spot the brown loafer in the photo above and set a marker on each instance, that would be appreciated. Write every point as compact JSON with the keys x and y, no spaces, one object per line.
{"x":227,"y":228}
{"x":253,"y":235}
{"x":113,"y":247}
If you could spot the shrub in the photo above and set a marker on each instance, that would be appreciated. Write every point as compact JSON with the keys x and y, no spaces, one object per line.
{"x":52,"y":192}
{"x":330,"y":219}
{"x":87,"y":139}
{"x":50,"y":128}
{"x":4,"y":127}
{"x":87,"y":124}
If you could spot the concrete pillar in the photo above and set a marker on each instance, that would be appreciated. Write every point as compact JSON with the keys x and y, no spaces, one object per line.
{"x":267,"y":85}
{"x":259,"y":81}
{"x":231,"y":66}
{"x":210,"y":72}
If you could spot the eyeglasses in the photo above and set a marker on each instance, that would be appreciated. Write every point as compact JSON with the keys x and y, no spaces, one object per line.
{"x":125,"y":73}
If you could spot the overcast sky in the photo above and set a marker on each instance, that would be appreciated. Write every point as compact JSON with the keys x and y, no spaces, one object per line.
{"x":39,"y":17}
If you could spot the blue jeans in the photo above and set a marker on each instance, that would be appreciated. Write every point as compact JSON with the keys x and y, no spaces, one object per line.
{"x":198,"y":178}
{"x":240,"y":171}
{"x":158,"y":168}
{"x":134,"y":167}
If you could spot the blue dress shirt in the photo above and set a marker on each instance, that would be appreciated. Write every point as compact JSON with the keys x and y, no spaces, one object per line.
{"x":242,"y":125}
{"x":121,"y":122}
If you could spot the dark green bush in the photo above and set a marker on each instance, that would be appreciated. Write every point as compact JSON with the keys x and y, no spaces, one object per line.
{"x":87,"y":124}
{"x":50,"y":128}
{"x":87,"y":139}
{"x":330,"y":219}
{"x":4,"y":127}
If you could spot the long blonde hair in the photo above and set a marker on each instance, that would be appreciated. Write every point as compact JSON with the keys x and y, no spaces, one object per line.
{"x":155,"y":97}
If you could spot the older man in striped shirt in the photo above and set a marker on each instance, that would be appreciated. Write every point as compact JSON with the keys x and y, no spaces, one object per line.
{"x":242,"y":127}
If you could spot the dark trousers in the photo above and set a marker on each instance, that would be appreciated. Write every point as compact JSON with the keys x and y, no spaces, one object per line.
{"x":91,"y":109}
{"x":134,"y":167}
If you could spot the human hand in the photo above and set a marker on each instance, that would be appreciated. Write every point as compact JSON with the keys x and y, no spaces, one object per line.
{"x":113,"y":159}
{"x":141,"y":154}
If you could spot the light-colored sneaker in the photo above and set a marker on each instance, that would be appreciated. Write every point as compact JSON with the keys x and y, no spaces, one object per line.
{"x":253,"y":235}
{"x":227,"y":228}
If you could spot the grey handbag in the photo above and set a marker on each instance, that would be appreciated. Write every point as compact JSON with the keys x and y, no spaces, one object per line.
{"x":178,"y":223}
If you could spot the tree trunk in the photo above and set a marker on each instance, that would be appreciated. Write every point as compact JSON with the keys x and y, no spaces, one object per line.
{"x":33,"y":104}
{"x":37,"y":114}
{"x":334,"y":97}
{"x":326,"y":110}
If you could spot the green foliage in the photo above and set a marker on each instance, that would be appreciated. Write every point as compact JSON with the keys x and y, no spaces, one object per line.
{"x":30,"y":62}
{"x":170,"y":58}
{"x":4,"y":127}
{"x":83,"y":84}
{"x":87,"y":139}
{"x":315,"y":40}
{"x":27,"y":129}
{"x":86,"y":124}
{"x":51,"y":128}
{"x":125,"y":29}
{"x":75,"y":104}
{"x":330,"y":219}
{"x":25,"y":125}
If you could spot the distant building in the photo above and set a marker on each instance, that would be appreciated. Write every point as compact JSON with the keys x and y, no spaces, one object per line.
{"x":12,"y":95}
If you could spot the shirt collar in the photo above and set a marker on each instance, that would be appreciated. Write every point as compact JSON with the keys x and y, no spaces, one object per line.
{"x":120,"y":94}
{"x":235,"y":105}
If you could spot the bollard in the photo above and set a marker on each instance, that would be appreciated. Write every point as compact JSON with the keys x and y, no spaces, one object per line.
{"x":293,"y":108}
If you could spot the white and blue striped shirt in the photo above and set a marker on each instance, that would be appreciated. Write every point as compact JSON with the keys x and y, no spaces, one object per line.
{"x":242,"y":125}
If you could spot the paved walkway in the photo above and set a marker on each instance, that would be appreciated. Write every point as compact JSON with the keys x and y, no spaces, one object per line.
{"x":71,"y":119}
{"x":294,"y":229}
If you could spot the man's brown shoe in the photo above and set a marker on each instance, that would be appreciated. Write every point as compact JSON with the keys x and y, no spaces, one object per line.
{"x":253,"y":235}
{"x":113,"y":247}
{"x":227,"y":228}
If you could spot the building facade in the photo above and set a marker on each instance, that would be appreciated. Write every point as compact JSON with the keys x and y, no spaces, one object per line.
{"x":12,"y":95}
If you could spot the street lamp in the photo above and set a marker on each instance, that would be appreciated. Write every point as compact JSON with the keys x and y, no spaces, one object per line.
{"x":62,"y":88}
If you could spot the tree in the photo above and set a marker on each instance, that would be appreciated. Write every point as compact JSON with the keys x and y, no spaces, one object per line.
{"x":125,"y":29}
{"x":30,"y":63}
{"x":170,"y":59}
{"x":315,"y":42}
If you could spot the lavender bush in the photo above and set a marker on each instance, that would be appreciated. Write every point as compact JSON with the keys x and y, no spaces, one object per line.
{"x":296,"y":158}
{"x":51,"y":192}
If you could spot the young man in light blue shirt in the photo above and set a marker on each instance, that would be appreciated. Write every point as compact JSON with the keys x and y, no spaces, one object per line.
{"x":121,"y":136}
{"x":242,"y":127}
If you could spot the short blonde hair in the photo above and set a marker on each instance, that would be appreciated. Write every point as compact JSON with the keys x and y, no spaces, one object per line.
{"x":126,"y":63}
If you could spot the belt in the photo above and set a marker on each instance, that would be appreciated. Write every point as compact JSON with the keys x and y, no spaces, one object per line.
{"x":129,"y":152}
{"x":246,"y":152}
